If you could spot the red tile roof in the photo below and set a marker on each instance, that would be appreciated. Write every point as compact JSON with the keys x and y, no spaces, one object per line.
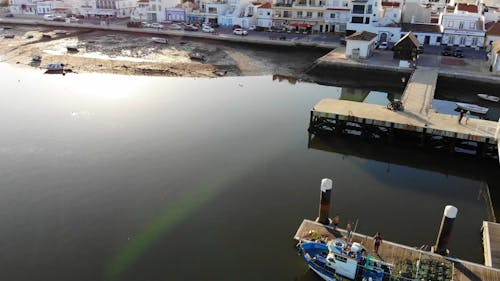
{"x":266,"y":6}
{"x":390,"y":4}
{"x":467,"y":8}
{"x":494,"y":29}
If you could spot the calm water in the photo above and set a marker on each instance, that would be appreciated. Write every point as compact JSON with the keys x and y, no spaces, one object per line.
{"x":107,"y":177}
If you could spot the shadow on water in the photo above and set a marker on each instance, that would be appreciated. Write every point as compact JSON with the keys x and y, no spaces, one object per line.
{"x":453,"y":165}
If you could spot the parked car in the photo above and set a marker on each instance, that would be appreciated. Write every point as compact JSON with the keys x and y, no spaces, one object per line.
{"x":134,"y":24}
{"x":239,"y":31}
{"x":382,"y":46}
{"x":9,"y":15}
{"x":260,"y":28}
{"x":59,"y":18}
{"x":146,"y":24}
{"x":458,"y":53}
{"x":207,"y":28}
{"x":73,"y":19}
{"x":190,"y":28}
{"x":174,"y":26}
{"x":156,"y":25}
{"x":48,"y":17}
{"x":447,"y":51}
{"x":252,"y":27}
{"x":236,"y":26}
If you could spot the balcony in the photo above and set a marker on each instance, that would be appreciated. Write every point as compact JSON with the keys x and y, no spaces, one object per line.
{"x":283,"y":5}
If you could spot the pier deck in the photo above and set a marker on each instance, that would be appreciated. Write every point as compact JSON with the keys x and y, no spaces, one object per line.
{"x":491,"y":244}
{"x":418,"y":119}
{"x":396,"y":253}
{"x":419,"y":93}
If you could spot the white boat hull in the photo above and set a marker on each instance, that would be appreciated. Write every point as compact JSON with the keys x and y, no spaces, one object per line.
{"x":488,"y":98}
{"x":159,"y":40}
{"x":472,"y":107}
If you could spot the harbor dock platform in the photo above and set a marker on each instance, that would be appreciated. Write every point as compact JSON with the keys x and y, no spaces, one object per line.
{"x":491,"y":244}
{"x":398,"y":254}
{"x":418,"y":120}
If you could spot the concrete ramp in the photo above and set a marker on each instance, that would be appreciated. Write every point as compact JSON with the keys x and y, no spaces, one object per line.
{"x":419,"y":93}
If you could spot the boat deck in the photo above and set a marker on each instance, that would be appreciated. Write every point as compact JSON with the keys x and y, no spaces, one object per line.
{"x":396,"y":253}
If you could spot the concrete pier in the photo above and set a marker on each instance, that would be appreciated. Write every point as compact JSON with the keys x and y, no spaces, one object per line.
{"x":418,"y":119}
{"x":491,"y":244}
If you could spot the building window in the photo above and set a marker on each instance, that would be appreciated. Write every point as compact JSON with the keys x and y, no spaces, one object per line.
{"x":438,"y":39}
{"x":286,"y":14}
{"x":472,"y":25}
{"x":369,"y":10}
{"x":332,"y":15}
{"x":357,"y":20}
{"x":320,"y":14}
{"x":358,"y":9}
{"x":309,"y":15}
{"x":461,"y":25}
{"x":474,"y":41}
{"x":462,"y":40}
{"x":299,"y":14}
{"x":367,"y":20}
{"x":268,"y":13}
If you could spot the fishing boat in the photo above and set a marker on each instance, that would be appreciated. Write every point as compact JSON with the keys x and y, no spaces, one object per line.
{"x":339,"y":259}
{"x":488,"y":97}
{"x":46,"y":36}
{"x":472,"y":107}
{"x":54,"y":67}
{"x":159,"y":40}
{"x":10,"y":36}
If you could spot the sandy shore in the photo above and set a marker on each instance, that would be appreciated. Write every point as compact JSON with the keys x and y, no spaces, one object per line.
{"x":124,"y":53}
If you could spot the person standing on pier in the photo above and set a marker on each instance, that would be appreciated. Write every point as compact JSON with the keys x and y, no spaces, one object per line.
{"x":467,"y":116}
{"x":461,"y":116}
{"x":349,"y":231}
{"x":377,"y":240}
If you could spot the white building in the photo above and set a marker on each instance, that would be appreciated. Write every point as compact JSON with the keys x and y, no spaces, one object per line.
{"x":464,"y":27}
{"x":140,"y":12}
{"x":428,"y":34}
{"x":157,"y":9}
{"x":337,"y":15}
{"x":360,"y":44}
{"x":24,"y":7}
{"x":265,"y":15}
{"x":371,"y":16}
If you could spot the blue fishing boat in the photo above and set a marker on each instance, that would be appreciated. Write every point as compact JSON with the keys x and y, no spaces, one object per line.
{"x":339,"y":259}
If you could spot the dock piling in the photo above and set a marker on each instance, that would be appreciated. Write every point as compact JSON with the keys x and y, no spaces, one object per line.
{"x":449,"y":215}
{"x":324,"y":205}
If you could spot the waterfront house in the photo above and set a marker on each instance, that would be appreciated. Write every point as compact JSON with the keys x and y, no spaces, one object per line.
{"x":494,"y":57}
{"x":176,"y":15}
{"x":157,"y":9}
{"x":463,"y":26}
{"x":360,"y":45}
{"x":492,"y":33}
{"x":337,"y":15}
{"x":381,"y":18}
{"x":428,"y":34}
{"x":265,"y":15}
{"x":140,"y":12}
{"x":300,"y":15}
{"x":406,"y":50}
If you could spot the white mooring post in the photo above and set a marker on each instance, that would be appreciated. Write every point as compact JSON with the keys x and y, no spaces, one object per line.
{"x":449,"y":215}
{"x":324,"y":203}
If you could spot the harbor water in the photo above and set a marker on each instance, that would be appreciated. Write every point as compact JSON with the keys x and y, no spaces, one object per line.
{"x":109,"y":177}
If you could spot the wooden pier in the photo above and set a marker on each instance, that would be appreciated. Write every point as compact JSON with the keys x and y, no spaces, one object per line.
{"x":396,"y":253}
{"x":491,"y":244}
{"x":418,"y":120}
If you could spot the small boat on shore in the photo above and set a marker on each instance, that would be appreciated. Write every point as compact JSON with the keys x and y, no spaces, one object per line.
{"x":36,"y":58}
{"x":54,"y":67}
{"x":159,"y":40}
{"x":72,"y":49}
{"x":60,"y":31}
{"x":196,"y":56}
{"x":488,"y":97}
{"x":9,"y":36}
{"x":46,"y":36}
{"x":472,"y":107}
